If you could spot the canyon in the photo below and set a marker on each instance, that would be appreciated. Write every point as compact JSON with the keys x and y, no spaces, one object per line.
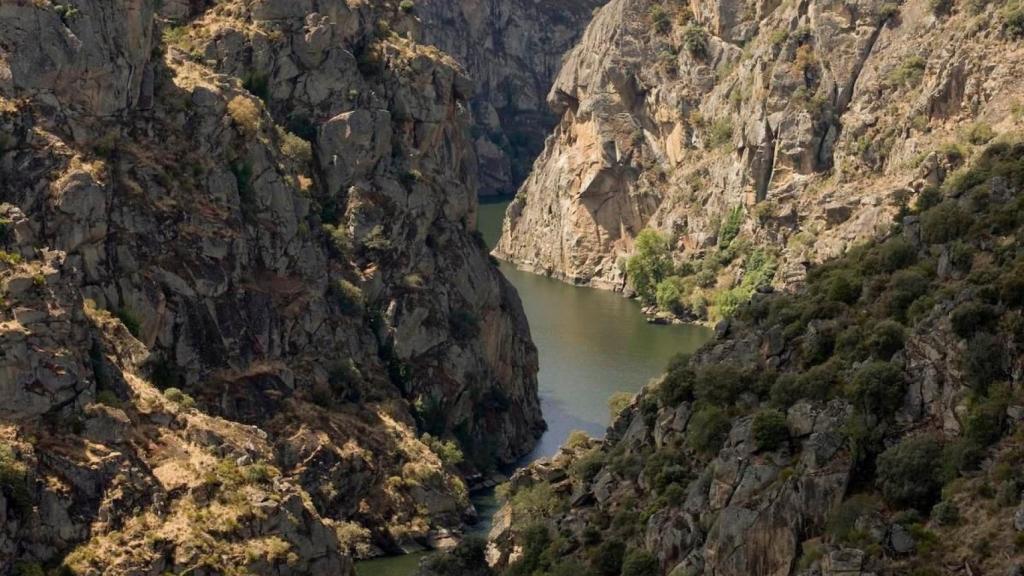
{"x":251,"y":321}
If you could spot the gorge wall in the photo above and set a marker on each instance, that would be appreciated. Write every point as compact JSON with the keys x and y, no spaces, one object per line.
{"x":799,"y":128}
{"x":513,"y":50}
{"x":247,"y":323}
{"x":868,"y":424}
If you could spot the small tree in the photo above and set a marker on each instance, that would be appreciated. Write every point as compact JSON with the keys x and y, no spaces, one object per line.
{"x":618,"y":403}
{"x":909,"y":473}
{"x":769,"y":430}
{"x":878,"y":388}
{"x":649,"y":265}
{"x":640,"y":563}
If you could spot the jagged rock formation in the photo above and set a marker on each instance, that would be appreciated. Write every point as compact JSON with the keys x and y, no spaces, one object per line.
{"x":869,"y":424}
{"x":799,"y":126}
{"x":277,"y":200}
{"x":513,"y":50}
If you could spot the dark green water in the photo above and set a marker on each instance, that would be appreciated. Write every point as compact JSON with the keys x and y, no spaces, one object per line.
{"x":591,"y":344}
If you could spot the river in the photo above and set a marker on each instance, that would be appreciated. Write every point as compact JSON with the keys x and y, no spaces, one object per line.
{"x":591,"y":344}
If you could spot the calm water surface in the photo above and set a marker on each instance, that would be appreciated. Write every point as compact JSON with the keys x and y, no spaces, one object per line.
{"x":591,"y":343}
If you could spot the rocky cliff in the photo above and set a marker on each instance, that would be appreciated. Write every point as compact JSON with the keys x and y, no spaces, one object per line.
{"x":869,"y":424}
{"x":799,"y":128}
{"x":513,"y":50}
{"x":248,"y":324}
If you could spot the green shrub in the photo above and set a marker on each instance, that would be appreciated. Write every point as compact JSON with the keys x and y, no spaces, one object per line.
{"x":896,"y":254}
{"x":660,"y":18}
{"x":909,"y":73}
{"x":986,"y":422}
{"x":347,"y":296}
{"x":907,"y":474}
{"x":720,"y":384}
{"x":407,"y":6}
{"x":887,"y":338}
{"x":878,"y":388}
{"x":640,"y":563}
{"x":536,"y":503}
{"x":843,"y":286}
{"x":970,"y":317}
{"x":649,"y":265}
{"x":586,"y":467}
{"x":958,"y":457}
{"x":720,"y":135}
{"x":905,"y":286}
{"x":980,"y":133}
{"x":770,"y":430}
{"x":108,"y":398}
{"x":14,"y":482}
{"x":536,"y":539}
{"x":130,"y":321}
{"x":708,"y":430}
{"x":946,"y":513}
{"x":983,"y":363}
{"x":180,"y":398}
{"x":669,"y":295}
{"x":678,"y":383}
{"x":617,"y":404}
{"x":695,"y":40}
{"x":447,"y":451}
{"x":606,"y":559}
{"x":1013,"y":20}
{"x":944,"y":223}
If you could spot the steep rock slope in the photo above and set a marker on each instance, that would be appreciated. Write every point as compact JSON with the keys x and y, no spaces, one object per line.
{"x":271,"y":205}
{"x":799,"y":127}
{"x":870,"y":424}
{"x":513,"y":50}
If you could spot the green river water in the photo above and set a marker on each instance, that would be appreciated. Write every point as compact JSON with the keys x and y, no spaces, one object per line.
{"x":591,"y":343}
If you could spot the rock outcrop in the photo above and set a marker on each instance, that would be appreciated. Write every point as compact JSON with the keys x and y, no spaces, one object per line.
{"x":798,"y":128}
{"x":239,"y":258}
{"x":513,"y":50}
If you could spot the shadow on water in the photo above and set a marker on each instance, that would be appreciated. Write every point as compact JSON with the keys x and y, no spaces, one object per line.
{"x":591,"y":343}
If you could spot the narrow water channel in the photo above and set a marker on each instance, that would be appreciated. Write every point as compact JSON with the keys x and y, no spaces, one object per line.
{"x":591,"y":344}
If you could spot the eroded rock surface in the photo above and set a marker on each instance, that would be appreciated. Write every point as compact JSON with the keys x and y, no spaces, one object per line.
{"x":265,"y":210}
{"x":801,"y":127}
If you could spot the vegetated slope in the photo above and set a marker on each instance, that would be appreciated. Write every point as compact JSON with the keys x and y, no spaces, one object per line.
{"x":755,"y":137}
{"x":247,"y":321}
{"x":869,"y":424}
{"x":512,"y":49}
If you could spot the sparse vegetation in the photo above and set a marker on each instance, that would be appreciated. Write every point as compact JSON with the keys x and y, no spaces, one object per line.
{"x":180,"y":398}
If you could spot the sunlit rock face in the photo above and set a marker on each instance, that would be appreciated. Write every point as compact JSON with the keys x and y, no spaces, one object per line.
{"x":808,"y":124}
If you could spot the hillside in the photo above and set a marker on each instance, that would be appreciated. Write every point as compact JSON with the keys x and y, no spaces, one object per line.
{"x":247,"y":323}
{"x":869,"y":424}
{"x":755,"y":137}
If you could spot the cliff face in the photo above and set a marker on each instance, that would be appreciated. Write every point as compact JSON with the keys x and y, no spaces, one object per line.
{"x":239,"y":253}
{"x":513,"y":50}
{"x":800,"y":127}
{"x":869,"y":424}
